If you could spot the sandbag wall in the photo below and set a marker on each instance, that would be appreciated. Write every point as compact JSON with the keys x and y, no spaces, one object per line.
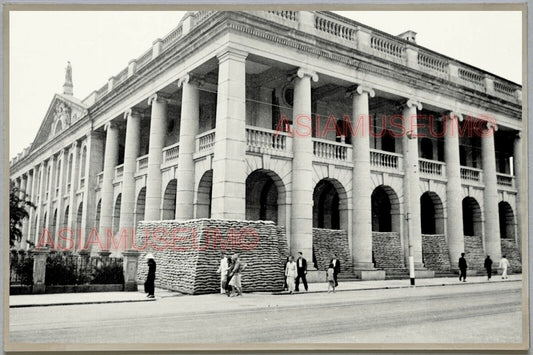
{"x":188,"y":253}
{"x":326,"y":242}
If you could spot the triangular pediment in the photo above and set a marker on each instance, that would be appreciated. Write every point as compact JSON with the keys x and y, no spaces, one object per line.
{"x":63,"y":111}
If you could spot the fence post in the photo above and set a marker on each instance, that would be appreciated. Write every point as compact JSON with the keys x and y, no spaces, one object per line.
{"x":129,"y":265}
{"x":39,"y":269}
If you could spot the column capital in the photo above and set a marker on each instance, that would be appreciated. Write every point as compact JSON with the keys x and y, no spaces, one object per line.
{"x":491,"y":125}
{"x":410,"y":103}
{"x":301,"y":73}
{"x":454,"y":114}
{"x":133,"y":111}
{"x":191,"y":78}
{"x":518,"y":135}
{"x":232,"y":53}
{"x":159,"y":97}
{"x":359,"y":90}
{"x":109,"y":125}
{"x":74,"y":145}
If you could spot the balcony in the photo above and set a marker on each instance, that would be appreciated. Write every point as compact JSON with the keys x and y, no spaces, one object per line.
{"x":142,"y":164}
{"x":328,"y":151}
{"x":385,"y":161}
{"x":471,"y":175}
{"x":119,"y":171}
{"x":99,"y":180}
{"x":268,"y":141}
{"x":205,"y":143}
{"x":505,"y":181}
{"x":432,"y":168}
{"x":171,"y":153}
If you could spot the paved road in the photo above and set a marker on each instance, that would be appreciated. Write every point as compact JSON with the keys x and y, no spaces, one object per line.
{"x":464,"y":313}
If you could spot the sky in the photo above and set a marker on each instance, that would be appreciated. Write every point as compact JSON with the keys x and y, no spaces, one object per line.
{"x":100,"y":44}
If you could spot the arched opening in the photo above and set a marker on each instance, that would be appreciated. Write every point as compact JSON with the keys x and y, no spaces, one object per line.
{"x":65,"y":217}
{"x":57,"y":177}
{"x":265,"y":196}
{"x":507,"y":221}
{"x":53,"y":225}
{"x":98,"y":215}
{"x":472,"y":224}
{"x":69,"y":172}
{"x":116,"y":214}
{"x":79,"y":216}
{"x":169,"y":201}
{"x":82,"y":164}
{"x":326,"y":211}
{"x":139,"y":207}
{"x":385,"y":210}
{"x":431,"y":213}
{"x":203,"y":196}
{"x":426,"y":148}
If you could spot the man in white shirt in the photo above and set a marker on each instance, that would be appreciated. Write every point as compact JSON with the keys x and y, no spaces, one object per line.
{"x":504,"y":264}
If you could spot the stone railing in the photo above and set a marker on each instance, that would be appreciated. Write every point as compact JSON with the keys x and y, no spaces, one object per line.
{"x":287,"y":15}
{"x":101,"y":92}
{"x":205,"y":141}
{"x":382,"y":45}
{"x":120,"y":77}
{"x":82,"y":185}
{"x":330,"y":150}
{"x":119,"y":171}
{"x":200,"y":16}
{"x":504,"y":88}
{"x":386,"y":160}
{"x":431,"y":167}
{"x":172,"y":37}
{"x":171,"y":152}
{"x":266,"y":140}
{"x":470,"y":174}
{"x":432,"y":62}
{"x":142,"y":163}
{"x":144,"y":59}
{"x":334,"y":28}
{"x":99,"y":179}
{"x":505,"y":179}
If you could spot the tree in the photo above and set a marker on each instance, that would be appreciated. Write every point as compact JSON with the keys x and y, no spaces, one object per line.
{"x":18,"y":204}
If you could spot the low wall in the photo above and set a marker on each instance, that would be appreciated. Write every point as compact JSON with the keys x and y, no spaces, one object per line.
{"x":387,"y":250}
{"x":512,"y":253}
{"x":435,"y":252}
{"x":188,"y":253}
{"x":475,"y":256}
{"x":327,"y":242}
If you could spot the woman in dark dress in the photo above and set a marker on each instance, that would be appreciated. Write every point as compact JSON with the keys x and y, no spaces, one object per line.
{"x":150,"y":279}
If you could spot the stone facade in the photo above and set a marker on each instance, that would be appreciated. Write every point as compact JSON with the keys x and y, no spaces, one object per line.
{"x":387,"y":250}
{"x":188,"y":253}
{"x":435,"y":252}
{"x":327,"y":242}
{"x":511,"y":252}
{"x":199,"y":128}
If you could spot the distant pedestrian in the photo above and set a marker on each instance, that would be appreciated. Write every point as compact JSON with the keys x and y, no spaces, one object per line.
{"x":301,"y":267}
{"x":488,"y":267}
{"x":336,"y":268}
{"x":504,"y":264}
{"x":223,"y":271}
{"x":291,"y":273}
{"x":235,"y":283}
{"x":149,"y":284}
{"x":330,"y":279}
{"x":285,"y":287}
{"x":229,"y":275}
{"x":462,"y":267}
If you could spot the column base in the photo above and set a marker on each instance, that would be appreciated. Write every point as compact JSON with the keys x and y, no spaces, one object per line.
{"x":131,"y":286}
{"x":369,"y":274}
{"x":424,"y":273}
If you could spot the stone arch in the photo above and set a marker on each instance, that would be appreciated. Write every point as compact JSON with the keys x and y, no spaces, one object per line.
{"x":116,"y":213}
{"x":330,"y":208}
{"x":507,"y":221}
{"x":83,"y":161}
{"x":140,"y":205}
{"x":472,"y":221}
{"x":79,"y":216}
{"x":385,"y":210}
{"x":69,"y":171}
{"x":65,"y":217}
{"x":203,"y":196}
{"x":168,"y":210}
{"x":53,"y":226}
{"x":431,"y":213}
{"x":265,"y":196}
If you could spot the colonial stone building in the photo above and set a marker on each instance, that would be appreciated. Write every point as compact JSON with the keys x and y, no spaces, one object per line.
{"x":351,"y":139}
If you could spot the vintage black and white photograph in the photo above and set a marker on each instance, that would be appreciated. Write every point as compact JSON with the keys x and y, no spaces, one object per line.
{"x":269,"y":178}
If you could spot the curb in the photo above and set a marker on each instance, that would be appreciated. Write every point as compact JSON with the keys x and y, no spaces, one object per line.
{"x":286,"y":293}
{"x":78,"y":303}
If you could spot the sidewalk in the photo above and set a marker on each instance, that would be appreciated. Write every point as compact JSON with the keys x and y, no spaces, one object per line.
{"x":60,"y":299}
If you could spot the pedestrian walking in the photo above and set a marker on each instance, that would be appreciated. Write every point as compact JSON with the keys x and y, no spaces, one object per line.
{"x":504,"y":264}
{"x":285,"y":286}
{"x":291,"y":273}
{"x":229,"y":275}
{"x":330,"y":279}
{"x":223,"y":271}
{"x":235,"y":283}
{"x":149,"y":284}
{"x":488,"y":266}
{"x":462,"y":267}
{"x":336,"y":268}
{"x":301,"y":268}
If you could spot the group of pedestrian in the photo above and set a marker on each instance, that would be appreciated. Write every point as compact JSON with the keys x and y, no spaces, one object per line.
{"x":504,"y":265}
{"x":296,"y":271}
{"x":230,"y":271}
